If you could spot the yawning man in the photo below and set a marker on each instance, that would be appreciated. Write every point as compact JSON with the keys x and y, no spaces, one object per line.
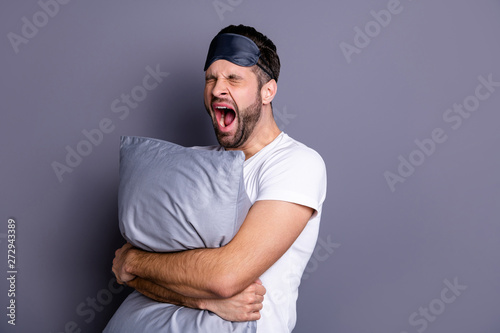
{"x":257,"y":274}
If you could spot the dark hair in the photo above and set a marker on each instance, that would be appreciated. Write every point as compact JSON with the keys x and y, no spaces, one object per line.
{"x":268,"y":55}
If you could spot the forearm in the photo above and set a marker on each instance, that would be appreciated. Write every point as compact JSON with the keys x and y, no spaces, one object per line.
{"x":163,"y":295}
{"x":194,"y":273}
{"x":242,"y":307}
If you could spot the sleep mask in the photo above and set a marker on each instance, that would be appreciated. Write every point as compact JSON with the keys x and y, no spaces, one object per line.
{"x":238,"y":49}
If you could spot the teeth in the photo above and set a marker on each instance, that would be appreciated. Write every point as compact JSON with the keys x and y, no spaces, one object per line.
{"x":221,"y":122}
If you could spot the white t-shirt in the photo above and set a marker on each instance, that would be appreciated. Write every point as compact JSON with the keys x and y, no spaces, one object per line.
{"x":286,"y":170}
{"x":289,"y":171}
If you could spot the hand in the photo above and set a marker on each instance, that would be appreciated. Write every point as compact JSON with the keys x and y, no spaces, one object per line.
{"x":244,"y":306}
{"x":122,"y":276}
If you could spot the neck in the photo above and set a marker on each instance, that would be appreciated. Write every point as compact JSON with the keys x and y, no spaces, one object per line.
{"x":264,"y":133}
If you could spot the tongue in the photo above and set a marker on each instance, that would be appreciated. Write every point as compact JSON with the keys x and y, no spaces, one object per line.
{"x":229,"y":117}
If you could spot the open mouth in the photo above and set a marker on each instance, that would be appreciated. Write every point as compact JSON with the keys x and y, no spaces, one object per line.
{"x":224,"y":114}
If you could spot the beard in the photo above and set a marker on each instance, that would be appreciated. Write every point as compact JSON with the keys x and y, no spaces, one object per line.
{"x":246,"y":120}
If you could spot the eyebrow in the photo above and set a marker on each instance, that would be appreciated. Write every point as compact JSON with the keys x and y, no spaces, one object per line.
{"x":229,"y":77}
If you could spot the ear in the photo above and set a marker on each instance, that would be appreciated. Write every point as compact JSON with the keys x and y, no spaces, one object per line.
{"x":268,"y":91}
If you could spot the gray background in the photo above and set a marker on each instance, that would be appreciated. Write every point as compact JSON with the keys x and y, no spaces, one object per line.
{"x":389,"y":253}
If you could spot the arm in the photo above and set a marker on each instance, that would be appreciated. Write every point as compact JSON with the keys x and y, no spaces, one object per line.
{"x":160,"y":294}
{"x":244,"y":306}
{"x":269,"y":229}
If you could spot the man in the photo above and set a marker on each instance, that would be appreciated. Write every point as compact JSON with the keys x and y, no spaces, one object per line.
{"x":285,"y":180}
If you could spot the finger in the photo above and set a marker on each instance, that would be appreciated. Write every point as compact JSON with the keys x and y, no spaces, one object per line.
{"x":260,"y":290}
{"x":259,"y":299}
{"x":258,"y":307}
{"x":255,"y":316}
{"x":258,"y":281}
{"x":118,"y":279}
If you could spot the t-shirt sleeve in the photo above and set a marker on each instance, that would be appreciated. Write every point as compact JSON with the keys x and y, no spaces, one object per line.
{"x":297,"y":176}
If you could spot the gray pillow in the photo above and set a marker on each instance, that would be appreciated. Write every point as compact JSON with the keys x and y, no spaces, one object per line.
{"x":173,"y":198}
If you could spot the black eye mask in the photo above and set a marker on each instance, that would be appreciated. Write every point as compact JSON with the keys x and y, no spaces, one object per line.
{"x":238,"y":49}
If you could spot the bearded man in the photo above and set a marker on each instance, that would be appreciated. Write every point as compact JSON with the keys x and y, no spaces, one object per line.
{"x":285,"y":181}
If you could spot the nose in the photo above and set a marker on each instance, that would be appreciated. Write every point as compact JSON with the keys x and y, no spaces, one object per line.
{"x":220,"y":88}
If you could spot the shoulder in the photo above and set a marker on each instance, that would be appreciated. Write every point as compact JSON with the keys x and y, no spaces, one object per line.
{"x":290,"y":161}
{"x":291,"y":171}
{"x":295,"y":154}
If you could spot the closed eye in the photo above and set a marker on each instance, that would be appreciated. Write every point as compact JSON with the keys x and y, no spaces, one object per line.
{"x":235,"y":80}
{"x":231,"y":78}
{"x":210,"y":78}
{"x":234,"y":77}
